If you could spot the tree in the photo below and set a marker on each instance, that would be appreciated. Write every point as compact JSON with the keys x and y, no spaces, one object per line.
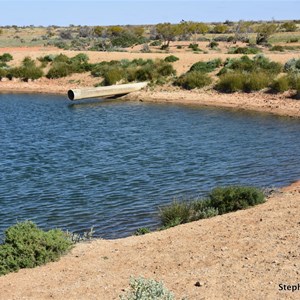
{"x":289,"y":26}
{"x":220,"y":28}
{"x":195,"y":28}
{"x":115,"y":30}
{"x":167,"y":32}
{"x":242,"y":30}
{"x":138,"y":31}
{"x":99,"y":30}
{"x":264,"y":31}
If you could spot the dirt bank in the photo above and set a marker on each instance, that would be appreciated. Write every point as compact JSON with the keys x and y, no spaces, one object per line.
{"x":241,"y":255}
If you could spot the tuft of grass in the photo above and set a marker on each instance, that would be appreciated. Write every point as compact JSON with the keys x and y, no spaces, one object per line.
{"x":27,"y":246}
{"x":192,"y":80}
{"x":142,"y":231}
{"x":206,"y":67}
{"x":280,"y":84}
{"x":221,"y":200}
{"x":171,"y":58}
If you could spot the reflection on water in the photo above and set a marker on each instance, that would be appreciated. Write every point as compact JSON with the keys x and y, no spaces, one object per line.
{"x":111,"y":164}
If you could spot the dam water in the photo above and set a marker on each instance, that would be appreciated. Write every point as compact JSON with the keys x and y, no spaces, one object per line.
{"x":112,"y":164}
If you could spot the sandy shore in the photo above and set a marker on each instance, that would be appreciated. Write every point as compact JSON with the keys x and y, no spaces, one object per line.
{"x":241,"y":255}
{"x":278,"y":104}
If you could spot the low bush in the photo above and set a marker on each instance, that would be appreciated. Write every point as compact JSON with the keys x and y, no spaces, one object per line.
{"x":292,"y":65}
{"x":245,"y":64}
{"x":206,"y":67}
{"x":232,"y":198}
{"x":27,"y":246}
{"x":213,"y":45}
{"x":147,"y":289}
{"x":244,"y":50}
{"x":280,"y":84}
{"x":230,"y":82}
{"x":142,"y":231}
{"x":171,"y":58}
{"x":3,"y":73}
{"x":6,"y":57}
{"x":277,"y":48}
{"x":113,"y":75}
{"x":220,"y":200}
{"x":127,"y":39}
{"x":192,"y":80}
{"x":59,"y":70}
{"x":156,"y":43}
{"x":238,"y":81}
{"x":293,"y":40}
{"x":194,"y":47}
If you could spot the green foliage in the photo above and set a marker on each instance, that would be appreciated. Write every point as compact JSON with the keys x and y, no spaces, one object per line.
{"x":63,"y":66}
{"x":27,"y":71}
{"x":264,"y":31}
{"x":277,"y":48}
{"x":220,"y":28}
{"x":245,"y":64}
{"x":231,"y":82}
{"x":232,"y":198}
{"x":289,"y":26}
{"x":147,"y":289}
{"x":156,"y":43}
{"x":136,"y":70}
{"x":206,"y":67}
{"x":292,"y":65}
{"x":244,"y":50}
{"x":293,"y":40}
{"x":280,"y":84}
{"x":127,"y":39}
{"x":193,"y":79}
{"x":213,"y":45}
{"x":194,"y":47}
{"x":142,"y":231}
{"x":171,"y":58}
{"x":6,"y":57}
{"x":27,"y":246}
{"x":3,"y":73}
{"x":221,"y":200}
{"x":238,"y":81}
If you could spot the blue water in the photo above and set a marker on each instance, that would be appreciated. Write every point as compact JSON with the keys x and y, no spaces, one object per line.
{"x":111,"y":164}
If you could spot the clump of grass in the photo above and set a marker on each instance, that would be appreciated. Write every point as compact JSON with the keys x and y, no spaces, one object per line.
{"x":171,"y":58}
{"x":27,"y":246}
{"x":147,"y":289}
{"x":192,"y":80}
{"x":244,"y":50}
{"x":243,"y":81}
{"x":206,"y":67}
{"x":281,"y":84}
{"x":277,"y":48}
{"x":142,"y":231}
{"x":221,"y":200}
{"x":6,"y":57}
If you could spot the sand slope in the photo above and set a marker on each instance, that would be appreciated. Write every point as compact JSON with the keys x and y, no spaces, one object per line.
{"x":241,"y":255}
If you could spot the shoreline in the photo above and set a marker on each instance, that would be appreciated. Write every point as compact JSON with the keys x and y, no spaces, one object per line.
{"x":249,"y":256}
{"x":275,"y":104}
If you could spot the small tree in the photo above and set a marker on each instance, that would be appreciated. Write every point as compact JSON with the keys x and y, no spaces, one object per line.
{"x":99,"y":30}
{"x":289,"y":26}
{"x":220,"y":28}
{"x":264,"y":31}
{"x":167,"y":32}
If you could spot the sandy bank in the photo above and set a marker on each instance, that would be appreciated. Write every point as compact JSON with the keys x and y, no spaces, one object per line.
{"x":279,"y":104}
{"x":241,"y":255}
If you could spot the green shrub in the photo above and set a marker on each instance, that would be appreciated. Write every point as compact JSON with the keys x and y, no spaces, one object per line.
{"x":244,"y":50}
{"x":27,"y":246}
{"x":171,"y":58}
{"x":113,"y":75}
{"x":127,"y":39}
{"x":156,"y":43}
{"x":142,"y":231}
{"x":230,"y":82}
{"x":277,"y":48}
{"x":147,"y":289}
{"x":178,"y":212}
{"x":232,"y":198}
{"x":6,"y":57}
{"x":3,"y":73}
{"x":213,"y":45}
{"x":256,"y":81}
{"x":207,"y":66}
{"x":194,"y":47}
{"x":293,"y":40}
{"x":59,"y":70}
{"x":280,"y":84}
{"x":192,"y":80}
{"x":292,"y":65}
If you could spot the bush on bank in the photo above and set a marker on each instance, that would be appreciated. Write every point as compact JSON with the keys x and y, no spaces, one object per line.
{"x":27,"y":246}
{"x":192,"y":80}
{"x":221,"y":200}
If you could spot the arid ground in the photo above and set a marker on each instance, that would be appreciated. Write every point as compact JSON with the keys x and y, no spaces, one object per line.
{"x":241,"y":255}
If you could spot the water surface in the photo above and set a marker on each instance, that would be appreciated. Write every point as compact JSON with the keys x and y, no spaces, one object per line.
{"x":111,"y":164}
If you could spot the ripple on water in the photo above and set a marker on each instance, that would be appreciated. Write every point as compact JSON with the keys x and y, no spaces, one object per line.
{"x":112,"y":164}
